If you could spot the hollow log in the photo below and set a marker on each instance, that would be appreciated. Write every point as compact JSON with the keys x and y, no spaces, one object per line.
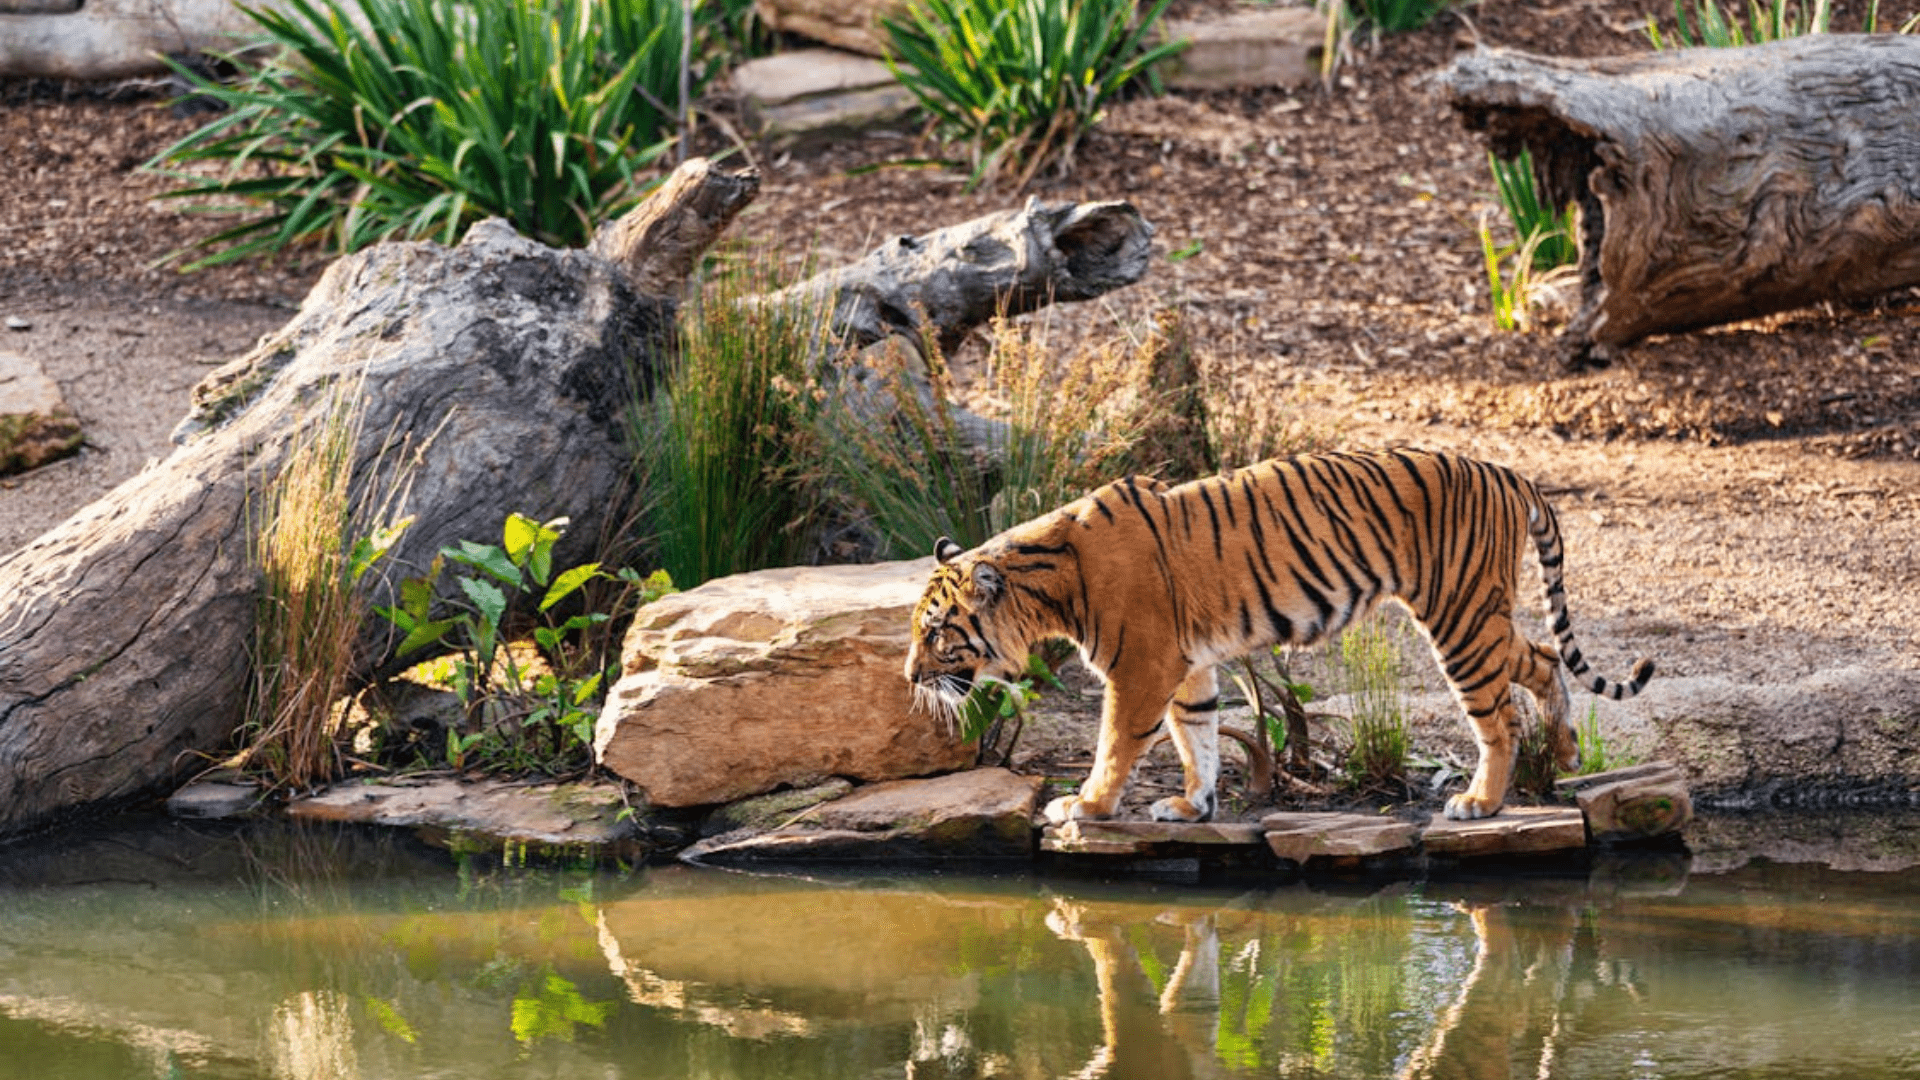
{"x":1715,"y":184}
{"x":493,"y":376}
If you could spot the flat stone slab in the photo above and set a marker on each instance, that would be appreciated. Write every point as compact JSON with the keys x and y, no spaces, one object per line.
{"x":1636,"y":803}
{"x":209,"y":799}
{"x":556,"y":814}
{"x":1516,"y":830}
{"x":973,"y":815}
{"x":1279,"y":46}
{"x":812,"y":93}
{"x":1146,"y":837}
{"x":1301,"y":836}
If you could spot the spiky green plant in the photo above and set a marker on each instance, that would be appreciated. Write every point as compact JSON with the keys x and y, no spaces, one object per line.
{"x":376,"y":119}
{"x":1397,"y":16}
{"x":1018,"y":82}
{"x":721,"y":453}
{"x":1767,"y":20}
{"x":1518,"y":190}
{"x":921,"y":468}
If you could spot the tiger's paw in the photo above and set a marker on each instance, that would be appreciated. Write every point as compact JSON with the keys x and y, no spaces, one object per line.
{"x":1071,"y":808}
{"x":1175,"y":808}
{"x":1469,"y":807}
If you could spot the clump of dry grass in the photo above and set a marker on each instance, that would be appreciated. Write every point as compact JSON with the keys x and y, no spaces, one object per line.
{"x":311,"y":558}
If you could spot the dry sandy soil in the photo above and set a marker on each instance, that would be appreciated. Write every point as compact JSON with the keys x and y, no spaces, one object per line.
{"x":1739,"y":504}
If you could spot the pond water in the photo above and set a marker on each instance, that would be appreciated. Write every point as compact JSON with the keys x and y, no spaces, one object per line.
{"x":164,"y":949}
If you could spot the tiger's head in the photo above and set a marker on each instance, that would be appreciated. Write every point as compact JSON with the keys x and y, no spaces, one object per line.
{"x":962,"y":632}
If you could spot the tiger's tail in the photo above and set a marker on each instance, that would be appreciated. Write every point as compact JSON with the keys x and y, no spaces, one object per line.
{"x":1544,"y":527}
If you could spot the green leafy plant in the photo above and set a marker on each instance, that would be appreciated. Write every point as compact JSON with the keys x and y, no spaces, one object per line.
{"x":1018,"y":82}
{"x":1370,"y":662}
{"x":722,"y":455}
{"x":1767,"y":20}
{"x":376,"y":119}
{"x":1279,"y":703}
{"x":525,"y":710}
{"x":1597,"y":754}
{"x":992,"y":707}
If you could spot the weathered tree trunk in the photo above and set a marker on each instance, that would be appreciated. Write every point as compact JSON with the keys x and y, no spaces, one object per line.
{"x":497,"y":374}
{"x":496,"y":371}
{"x":1716,"y":184}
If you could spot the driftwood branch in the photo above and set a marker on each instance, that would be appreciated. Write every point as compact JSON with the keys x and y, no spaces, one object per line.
{"x":947,"y":282}
{"x":498,"y":374}
{"x":1716,"y":184}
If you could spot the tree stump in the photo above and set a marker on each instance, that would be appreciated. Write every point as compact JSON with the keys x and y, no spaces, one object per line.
{"x":1715,"y":184}
{"x":498,"y":374}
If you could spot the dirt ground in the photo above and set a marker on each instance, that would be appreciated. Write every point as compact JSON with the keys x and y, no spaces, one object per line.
{"x":1739,"y":504}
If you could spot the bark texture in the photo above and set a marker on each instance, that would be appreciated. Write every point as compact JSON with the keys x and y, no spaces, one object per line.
{"x":1716,"y":184}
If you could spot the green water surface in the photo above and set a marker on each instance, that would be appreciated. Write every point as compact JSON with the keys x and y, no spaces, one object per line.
{"x":175,"y":950}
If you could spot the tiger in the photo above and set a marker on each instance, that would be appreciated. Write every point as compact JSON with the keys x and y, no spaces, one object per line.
{"x":1158,"y":584}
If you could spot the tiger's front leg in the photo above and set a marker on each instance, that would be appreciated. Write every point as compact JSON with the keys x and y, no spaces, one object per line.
{"x":1130,"y":718}
{"x":1129,"y":723}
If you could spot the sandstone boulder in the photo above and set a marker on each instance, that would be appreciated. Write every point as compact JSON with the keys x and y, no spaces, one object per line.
{"x":781,"y":677}
{"x":978,"y":814}
{"x":36,"y":424}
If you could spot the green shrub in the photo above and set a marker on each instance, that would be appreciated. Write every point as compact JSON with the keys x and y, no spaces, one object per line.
{"x":722,"y":452}
{"x":1715,"y":27}
{"x":1019,"y":81}
{"x":376,"y":119}
{"x":524,"y":710}
{"x":898,"y":453}
{"x":1370,"y":660}
{"x":1395,"y":16}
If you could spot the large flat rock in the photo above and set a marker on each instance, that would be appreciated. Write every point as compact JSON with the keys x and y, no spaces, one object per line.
{"x":981,"y":814}
{"x":562,"y":815}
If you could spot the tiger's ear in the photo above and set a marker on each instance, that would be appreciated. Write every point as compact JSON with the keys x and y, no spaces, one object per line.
{"x":988,"y":582}
{"x":945,"y":550}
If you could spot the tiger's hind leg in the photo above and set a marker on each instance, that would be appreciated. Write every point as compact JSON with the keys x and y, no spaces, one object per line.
{"x":1194,"y":722}
{"x":1480,"y":668}
{"x":1537,"y":667}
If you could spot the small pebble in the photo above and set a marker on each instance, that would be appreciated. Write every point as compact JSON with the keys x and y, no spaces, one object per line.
{"x":15,"y":322}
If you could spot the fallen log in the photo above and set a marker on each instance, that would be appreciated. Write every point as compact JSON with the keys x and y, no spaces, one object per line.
{"x":499,"y":371}
{"x":1715,"y":184}
{"x":945,"y":283}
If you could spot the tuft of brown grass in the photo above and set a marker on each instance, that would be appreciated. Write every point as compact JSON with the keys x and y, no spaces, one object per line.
{"x":311,"y":556}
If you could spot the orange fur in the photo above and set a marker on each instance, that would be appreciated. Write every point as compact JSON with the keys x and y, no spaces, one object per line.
{"x":1158,"y":584}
